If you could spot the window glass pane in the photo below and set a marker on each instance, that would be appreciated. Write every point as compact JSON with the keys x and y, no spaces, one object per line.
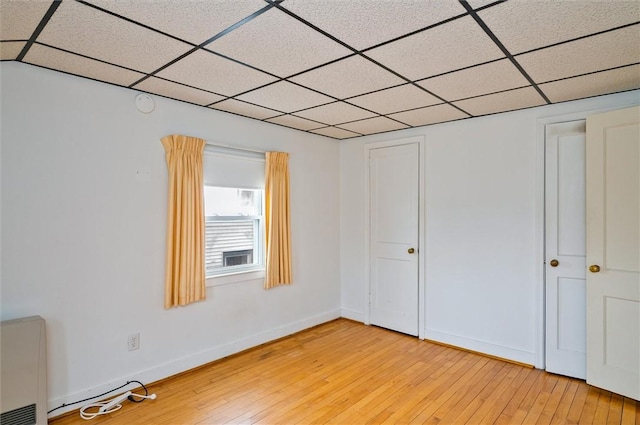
{"x":231,"y":202}
{"x":232,"y":229}
{"x":230,"y":243}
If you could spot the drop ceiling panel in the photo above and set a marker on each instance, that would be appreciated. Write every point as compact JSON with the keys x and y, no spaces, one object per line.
{"x":621,"y":79}
{"x":364,"y":23}
{"x":210,"y":72}
{"x":78,"y":65}
{"x":608,"y":50}
{"x":335,"y":113}
{"x":482,"y":79}
{"x":522,"y":25}
{"x":177,"y":91}
{"x":192,"y":21}
{"x":286,"y":97}
{"x":276,"y":54}
{"x":447,"y":47}
{"x":246,"y":109}
{"x":277,"y":43}
{"x":373,"y":125}
{"x":430,"y":115}
{"x":348,"y":77}
{"x":295,"y":122}
{"x":9,"y":50}
{"x":85,"y":30}
{"x":19,"y":19}
{"x":481,"y":3}
{"x":336,"y":133}
{"x":501,"y":102}
{"x":395,"y":99}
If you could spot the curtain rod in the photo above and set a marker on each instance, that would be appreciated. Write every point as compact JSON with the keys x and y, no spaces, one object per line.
{"x":221,"y":145}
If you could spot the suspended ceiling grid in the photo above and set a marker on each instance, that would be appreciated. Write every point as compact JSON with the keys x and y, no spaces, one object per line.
{"x":338,"y":68}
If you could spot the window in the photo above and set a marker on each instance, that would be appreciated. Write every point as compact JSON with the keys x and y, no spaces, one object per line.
{"x":233,"y":230}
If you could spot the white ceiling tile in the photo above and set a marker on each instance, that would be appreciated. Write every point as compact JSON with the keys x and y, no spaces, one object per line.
{"x":348,"y":77}
{"x":395,"y":99}
{"x":191,"y":20}
{"x":430,"y":115}
{"x":482,"y":79}
{"x":336,"y":133}
{"x":373,"y":125}
{"x":608,"y":50}
{"x":621,"y":79}
{"x":295,"y":122}
{"x":335,"y":113}
{"x":78,"y":65}
{"x":210,"y":72}
{"x":502,"y":102}
{"x":522,"y":25}
{"x":9,"y":50}
{"x":364,"y":23}
{"x":85,"y":30}
{"x":476,"y":4}
{"x":286,"y":97}
{"x":447,"y":47}
{"x":177,"y":91}
{"x":246,"y":109}
{"x":277,"y":43}
{"x":19,"y":19}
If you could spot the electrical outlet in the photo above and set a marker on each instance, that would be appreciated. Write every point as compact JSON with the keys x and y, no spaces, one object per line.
{"x":134,"y":341}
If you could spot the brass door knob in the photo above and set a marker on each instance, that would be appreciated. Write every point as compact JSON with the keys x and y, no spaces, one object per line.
{"x":554,"y":263}
{"x":594,"y":268}
{"x":411,"y":250}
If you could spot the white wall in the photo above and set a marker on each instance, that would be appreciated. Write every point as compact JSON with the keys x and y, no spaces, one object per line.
{"x":483,"y":238}
{"x":83,"y":238}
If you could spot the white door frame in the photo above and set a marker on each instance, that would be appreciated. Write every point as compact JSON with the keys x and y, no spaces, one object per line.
{"x":539,"y":361}
{"x":421,"y":227}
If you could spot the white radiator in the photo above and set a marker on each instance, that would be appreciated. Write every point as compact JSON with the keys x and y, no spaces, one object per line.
{"x":23,"y":359}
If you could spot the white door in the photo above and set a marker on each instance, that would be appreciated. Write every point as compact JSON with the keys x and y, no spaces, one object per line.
{"x":565,"y":249}
{"x":613,"y":251}
{"x":393,"y":185}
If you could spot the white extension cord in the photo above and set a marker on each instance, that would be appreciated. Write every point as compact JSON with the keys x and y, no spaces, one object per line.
{"x":109,"y":406}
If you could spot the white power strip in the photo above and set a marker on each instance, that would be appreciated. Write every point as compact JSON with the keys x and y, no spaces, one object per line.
{"x":110,"y":406}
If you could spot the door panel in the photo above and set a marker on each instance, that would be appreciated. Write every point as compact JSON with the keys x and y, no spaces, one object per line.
{"x":394,"y":231}
{"x":565,"y":243}
{"x":613,"y":244}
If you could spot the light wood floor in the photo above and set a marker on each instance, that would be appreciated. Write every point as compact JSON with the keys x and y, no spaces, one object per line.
{"x":343,"y":372}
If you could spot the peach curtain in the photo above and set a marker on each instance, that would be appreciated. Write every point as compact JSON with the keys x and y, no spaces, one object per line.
{"x":277,"y":220}
{"x":185,"y":280}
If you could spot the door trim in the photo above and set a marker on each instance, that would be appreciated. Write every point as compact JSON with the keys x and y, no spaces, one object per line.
{"x":541,"y":123}
{"x":420,"y":140}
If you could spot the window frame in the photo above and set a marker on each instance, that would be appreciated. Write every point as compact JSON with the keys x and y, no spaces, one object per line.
{"x":243,"y":272}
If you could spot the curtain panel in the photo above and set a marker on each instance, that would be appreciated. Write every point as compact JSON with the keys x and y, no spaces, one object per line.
{"x":277,"y":220}
{"x":185,"y":276}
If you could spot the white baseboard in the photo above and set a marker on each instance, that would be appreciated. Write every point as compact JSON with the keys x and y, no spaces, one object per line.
{"x":491,"y":349}
{"x":174,"y":367}
{"x":353,"y":315}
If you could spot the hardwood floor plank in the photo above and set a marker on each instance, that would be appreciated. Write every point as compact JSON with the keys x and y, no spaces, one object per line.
{"x":513,"y":412}
{"x":630,"y":412}
{"x":615,"y":410}
{"x":493,"y":407}
{"x":551,"y":405}
{"x":602,"y":408}
{"x":343,"y":372}
{"x":562,"y":411}
{"x":578,"y":404}
{"x":589,"y":409}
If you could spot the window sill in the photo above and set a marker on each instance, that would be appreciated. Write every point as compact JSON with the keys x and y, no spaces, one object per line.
{"x":241,"y":276}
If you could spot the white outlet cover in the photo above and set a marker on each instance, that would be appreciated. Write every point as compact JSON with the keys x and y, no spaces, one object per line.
{"x":145,"y":103}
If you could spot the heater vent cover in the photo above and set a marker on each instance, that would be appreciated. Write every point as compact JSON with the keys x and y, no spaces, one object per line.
{"x":22,"y":416}
{"x":23,"y":363}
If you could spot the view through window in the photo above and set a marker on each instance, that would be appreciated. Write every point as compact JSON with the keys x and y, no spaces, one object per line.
{"x":233,"y":230}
